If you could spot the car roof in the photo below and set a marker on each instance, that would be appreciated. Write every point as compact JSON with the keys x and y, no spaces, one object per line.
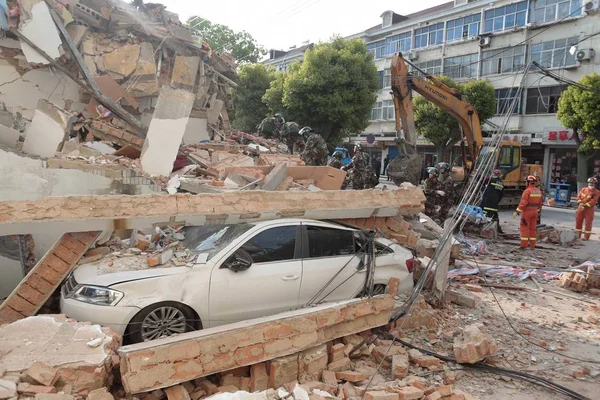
{"x":301,"y":220}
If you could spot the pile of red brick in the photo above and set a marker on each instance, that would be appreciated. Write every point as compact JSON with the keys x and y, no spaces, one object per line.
{"x":474,"y":345}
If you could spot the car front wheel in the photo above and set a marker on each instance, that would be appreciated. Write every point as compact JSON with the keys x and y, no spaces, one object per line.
{"x":161,"y":320}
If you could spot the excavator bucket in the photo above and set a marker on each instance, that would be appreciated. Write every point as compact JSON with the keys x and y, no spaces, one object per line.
{"x":406,"y":168}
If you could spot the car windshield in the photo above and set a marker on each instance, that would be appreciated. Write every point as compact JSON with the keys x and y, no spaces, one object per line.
{"x":212,"y":238}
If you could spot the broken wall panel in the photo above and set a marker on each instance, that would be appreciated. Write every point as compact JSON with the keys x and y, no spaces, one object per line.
{"x":41,"y":30}
{"x":76,"y":213}
{"x":167,"y":362}
{"x":47,"y":131}
{"x":166,"y":130}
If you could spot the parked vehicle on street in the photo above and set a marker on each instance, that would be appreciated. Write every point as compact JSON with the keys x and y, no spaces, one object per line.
{"x":239,"y":272}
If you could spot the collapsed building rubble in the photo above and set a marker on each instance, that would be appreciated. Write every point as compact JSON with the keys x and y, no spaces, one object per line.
{"x":139,"y":65}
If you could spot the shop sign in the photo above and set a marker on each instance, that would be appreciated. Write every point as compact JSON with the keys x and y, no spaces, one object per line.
{"x":524,"y":139}
{"x":560,"y":137}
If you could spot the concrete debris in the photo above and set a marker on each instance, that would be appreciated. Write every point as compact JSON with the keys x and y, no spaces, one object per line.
{"x":128,"y":54}
{"x":48,"y":354}
{"x":474,"y":345}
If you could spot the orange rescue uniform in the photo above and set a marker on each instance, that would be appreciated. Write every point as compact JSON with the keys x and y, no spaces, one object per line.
{"x":529,"y":207}
{"x":586,"y":199}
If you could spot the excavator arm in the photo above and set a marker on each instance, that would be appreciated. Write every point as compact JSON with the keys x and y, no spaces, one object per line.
{"x":448,"y":99}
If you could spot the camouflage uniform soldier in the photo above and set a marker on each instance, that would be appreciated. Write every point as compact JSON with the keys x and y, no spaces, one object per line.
{"x":336,"y":160}
{"x":370,"y":177}
{"x":447,"y":186}
{"x":432,"y":193}
{"x":358,"y":165}
{"x":290,"y":135}
{"x":315,"y":151}
{"x":271,"y":126}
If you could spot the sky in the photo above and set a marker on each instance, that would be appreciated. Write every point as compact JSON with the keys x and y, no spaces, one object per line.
{"x":280,"y":24}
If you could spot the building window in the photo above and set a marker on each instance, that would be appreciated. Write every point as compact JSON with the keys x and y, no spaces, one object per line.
{"x":507,"y":17}
{"x":387,"y":78}
{"x":461,"y":67}
{"x":283,"y":67}
{"x":554,"y":53}
{"x":380,"y":75}
{"x":433,"y":67}
{"x":398,"y":43}
{"x":554,"y":10}
{"x":429,"y":35}
{"x":388,"y":109}
{"x":377,"y":49}
{"x":543,"y":100}
{"x":463,"y":28}
{"x":502,"y":61}
{"x":376,"y":112}
{"x":508,"y":101}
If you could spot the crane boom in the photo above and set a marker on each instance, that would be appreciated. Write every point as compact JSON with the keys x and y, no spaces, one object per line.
{"x":448,"y":99}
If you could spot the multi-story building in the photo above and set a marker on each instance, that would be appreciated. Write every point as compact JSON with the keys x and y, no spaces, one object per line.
{"x":281,"y":60}
{"x":494,"y":40}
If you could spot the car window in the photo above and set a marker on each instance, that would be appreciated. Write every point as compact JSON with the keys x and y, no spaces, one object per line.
{"x":329,"y":242}
{"x":212,"y":238}
{"x":275,"y":244}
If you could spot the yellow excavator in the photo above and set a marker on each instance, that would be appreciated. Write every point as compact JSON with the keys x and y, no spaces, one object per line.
{"x":407,"y":166}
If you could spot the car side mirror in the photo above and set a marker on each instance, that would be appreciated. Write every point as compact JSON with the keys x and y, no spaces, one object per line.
{"x":240,"y":261}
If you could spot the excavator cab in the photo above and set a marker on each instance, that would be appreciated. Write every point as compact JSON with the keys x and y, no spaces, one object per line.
{"x":507,"y":159}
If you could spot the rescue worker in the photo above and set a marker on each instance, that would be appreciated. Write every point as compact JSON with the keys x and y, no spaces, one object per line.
{"x":370,"y":178}
{"x":447,"y":186}
{"x":358,"y":167}
{"x":271,"y":126}
{"x":529,"y":207}
{"x":336,"y":160}
{"x":586,"y":200}
{"x":315,"y":151}
{"x":492,"y":196}
{"x":432,"y":193}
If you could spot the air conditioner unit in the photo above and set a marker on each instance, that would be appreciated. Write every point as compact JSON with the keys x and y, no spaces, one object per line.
{"x":584,"y":54}
{"x":413,"y":55}
{"x":592,"y":6}
{"x":485,"y":41}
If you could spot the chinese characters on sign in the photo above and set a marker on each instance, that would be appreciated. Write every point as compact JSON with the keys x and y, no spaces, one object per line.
{"x":523,"y":139}
{"x":558,"y":136}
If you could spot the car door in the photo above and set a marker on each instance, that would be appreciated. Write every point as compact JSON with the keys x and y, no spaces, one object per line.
{"x":327,"y":251}
{"x":270,"y":285}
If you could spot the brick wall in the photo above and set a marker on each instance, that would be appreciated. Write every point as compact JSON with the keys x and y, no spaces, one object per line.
{"x":43,"y":279}
{"x":167,"y":362}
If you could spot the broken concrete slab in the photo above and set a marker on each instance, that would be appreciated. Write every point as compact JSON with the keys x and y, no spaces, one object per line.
{"x":185,"y":72}
{"x":9,"y":137}
{"x":142,"y":211}
{"x":47,"y":131}
{"x":143,"y":81}
{"x":214,"y":111}
{"x":61,"y":344}
{"x":121,"y":62}
{"x":275,"y":177}
{"x":196,"y":131}
{"x":41,"y":30}
{"x":167,"y":362}
{"x":77,"y":33}
{"x":166,"y":130}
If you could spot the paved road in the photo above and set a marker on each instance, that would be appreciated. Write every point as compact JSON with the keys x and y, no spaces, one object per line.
{"x":559,"y":217}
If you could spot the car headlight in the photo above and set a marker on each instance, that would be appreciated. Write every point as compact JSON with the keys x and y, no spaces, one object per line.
{"x":97,"y":295}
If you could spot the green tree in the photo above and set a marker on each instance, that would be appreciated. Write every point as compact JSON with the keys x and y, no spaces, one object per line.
{"x":273,"y":96}
{"x":439,"y":127}
{"x":242,"y":46}
{"x":253,"y":81}
{"x":578,"y":109}
{"x":332,"y":90}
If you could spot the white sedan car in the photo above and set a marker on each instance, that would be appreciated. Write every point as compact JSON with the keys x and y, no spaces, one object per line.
{"x":240,"y":272}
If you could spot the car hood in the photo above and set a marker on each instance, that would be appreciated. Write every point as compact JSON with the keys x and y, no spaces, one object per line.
{"x":113,"y":270}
